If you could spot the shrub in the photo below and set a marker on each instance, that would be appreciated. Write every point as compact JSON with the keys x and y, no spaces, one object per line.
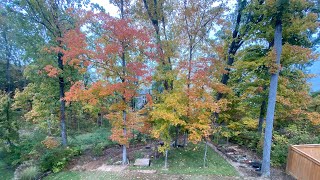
{"x":139,"y":137}
{"x":295,"y":133}
{"x":98,"y":149}
{"x":56,"y":159}
{"x":50,"y":142}
{"x":279,"y":149}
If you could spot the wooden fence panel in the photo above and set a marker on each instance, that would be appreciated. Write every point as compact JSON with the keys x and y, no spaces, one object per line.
{"x":304,"y":162}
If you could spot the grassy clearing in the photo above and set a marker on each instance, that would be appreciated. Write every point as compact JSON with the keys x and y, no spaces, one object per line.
{"x":183,"y":162}
{"x":189,"y":160}
{"x":83,"y":176}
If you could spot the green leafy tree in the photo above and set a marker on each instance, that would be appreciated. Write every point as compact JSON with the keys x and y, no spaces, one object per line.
{"x":8,"y":121}
{"x":53,"y":16}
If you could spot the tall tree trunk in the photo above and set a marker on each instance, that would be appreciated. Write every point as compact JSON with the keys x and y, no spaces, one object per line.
{"x":166,"y":160}
{"x":235,"y":44}
{"x":123,"y":80}
{"x":8,"y":119}
{"x":177,"y":136}
{"x":124,"y":148}
{"x":154,"y":18}
{"x":272,"y":102}
{"x":185,"y":138}
{"x":205,"y":154}
{"x":62,"y":103}
{"x":98,"y":120}
{"x":8,"y":58}
{"x":261,"y":115}
{"x":237,"y":41}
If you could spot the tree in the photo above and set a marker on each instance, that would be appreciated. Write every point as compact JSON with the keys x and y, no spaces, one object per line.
{"x":12,"y":60}
{"x":265,"y":170}
{"x":249,"y":75}
{"x":8,"y":121}
{"x":245,"y":18}
{"x":120,"y":54}
{"x":155,"y":11}
{"x":53,"y":16}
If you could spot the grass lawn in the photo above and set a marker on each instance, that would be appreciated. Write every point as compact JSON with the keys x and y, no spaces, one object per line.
{"x":83,"y":176}
{"x":186,"y":161}
{"x":183,"y":162}
{"x":189,"y":160}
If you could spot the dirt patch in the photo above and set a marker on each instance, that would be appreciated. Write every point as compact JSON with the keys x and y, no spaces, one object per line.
{"x":111,"y":168}
{"x":145,"y":171}
{"x":157,"y":176}
{"x":111,"y":156}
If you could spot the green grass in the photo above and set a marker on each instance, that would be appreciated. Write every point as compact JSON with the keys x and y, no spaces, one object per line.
{"x":83,"y":176}
{"x":189,"y":160}
{"x":89,"y":140}
{"x":186,"y":162}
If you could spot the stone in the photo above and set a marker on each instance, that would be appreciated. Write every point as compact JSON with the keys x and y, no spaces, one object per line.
{"x":142,"y":162}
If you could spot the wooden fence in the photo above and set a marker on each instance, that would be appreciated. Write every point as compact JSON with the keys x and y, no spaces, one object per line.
{"x":304,"y":162}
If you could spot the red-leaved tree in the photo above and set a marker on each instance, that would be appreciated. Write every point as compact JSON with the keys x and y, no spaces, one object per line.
{"x":119,"y":54}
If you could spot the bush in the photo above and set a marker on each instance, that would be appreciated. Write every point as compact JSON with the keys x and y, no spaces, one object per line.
{"x":250,"y":139}
{"x":98,"y":149}
{"x":139,"y":138}
{"x":50,"y":142}
{"x":56,"y":159}
{"x":292,"y":134}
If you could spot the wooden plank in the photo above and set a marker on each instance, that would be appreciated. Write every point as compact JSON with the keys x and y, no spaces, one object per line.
{"x":303,"y":162}
{"x":306,"y":155}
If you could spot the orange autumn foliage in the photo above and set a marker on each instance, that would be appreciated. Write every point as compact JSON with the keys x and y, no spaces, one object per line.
{"x":52,"y":71}
{"x":119,"y":55}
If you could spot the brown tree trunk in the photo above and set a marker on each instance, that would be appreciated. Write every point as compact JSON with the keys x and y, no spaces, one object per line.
{"x":154,"y":18}
{"x":99,"y":120}
{"x":62,"y":103}
{"x":261,"y":115}
{"x":8,"y":58}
